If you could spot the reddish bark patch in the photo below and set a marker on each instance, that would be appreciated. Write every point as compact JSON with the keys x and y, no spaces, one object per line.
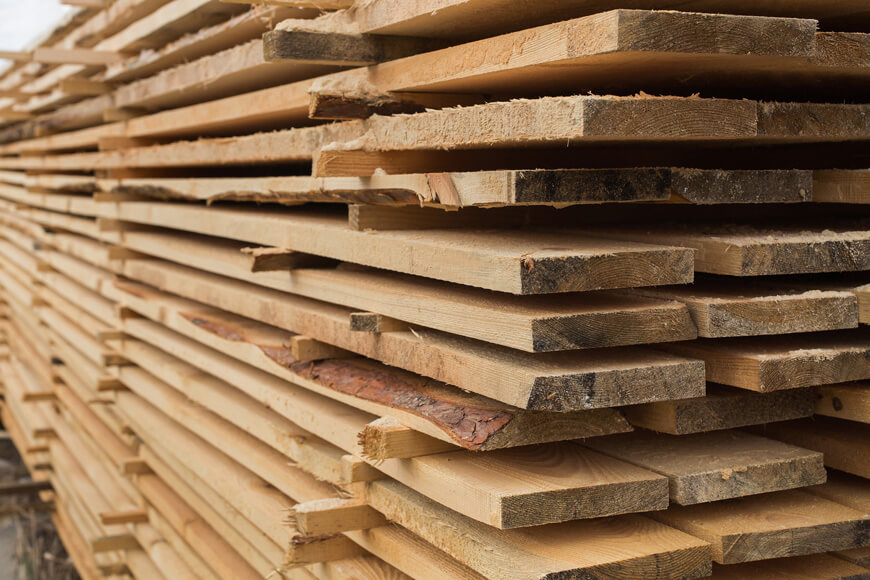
{"x":469,"y":426}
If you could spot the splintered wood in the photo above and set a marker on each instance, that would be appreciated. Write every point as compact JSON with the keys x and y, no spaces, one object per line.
{"x":470,"y":289}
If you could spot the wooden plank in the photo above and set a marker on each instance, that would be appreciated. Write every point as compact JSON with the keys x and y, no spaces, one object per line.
{"x":334,"y":515}
{"x":319,"y":4}
{"x":75,"y":56}
{"x":745,"y":250}
{"x":845,"y":401}
{"x":722,"y":309}
{"x":814,"y":567}
{"x":846,"y":489}
{"x":429,"y":408}
{"x":782,"y":362}
{"x":721,"y":408}
{"x":526,"y":323}
{"x":624,"y":546}
{"x":542,"y":382}
{"x":787,"y":523}
{"x":588,"y":118}
{"x":519,"y":262}
{"x":484,"y":188}
{"x":528,"y":484}
{"x":238,"y":69}
{"x":709,"y":467}
{"x":334,"y":48}
{"x":85,"y":87}
{"x":479,"y":18}
{"x":841,"y":186}
{"x":845,"y":444}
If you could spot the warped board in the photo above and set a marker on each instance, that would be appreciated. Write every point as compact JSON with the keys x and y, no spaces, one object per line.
{"x":722,"y":309}
{"x":845,"y":444}
{"x":517,"y":261}
{"x":772,"y":363}
{"x":488,"y":188}
{"x":845,"y":401}
{"x":520,"y":487}
{"x":710,"y":467}
{"x":546,"y":381}
{"x":721,"y":408}
{"x":626,"y":546}
{"x":762,"y":527}
{"x":419,"y":403}
{"x":478,"y":18}
{"x":565,"y":322}
{"x":746,"y":250}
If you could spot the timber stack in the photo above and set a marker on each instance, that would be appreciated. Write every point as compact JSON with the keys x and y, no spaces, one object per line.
{"x":459,"y":289}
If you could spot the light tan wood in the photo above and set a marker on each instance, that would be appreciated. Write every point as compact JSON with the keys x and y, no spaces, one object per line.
{"x":757,"y":251}
{"x":518,"y":262}
{"x":489,"y":425}
{"x":788,"y":523}
{"x":845,"y":401}
{"x":85,"y":87}
{"x":782,"y":362}
{"x":479,"y":18}
{"x":721,"y":408}
{"x":630,"y":545}
{"x":75,"y":56}
{"x":334,"y":515}
{"x":843,"y":443}
{"x":714,"y":466}
{"x":722,"y":310}
{"x":815,"y":567}
{"x":550,"y":382}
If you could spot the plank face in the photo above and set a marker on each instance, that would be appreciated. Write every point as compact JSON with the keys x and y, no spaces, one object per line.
{"x":814,"y":567}
{"x":557,"y":483}
{"x":515,"y":261}
{"x":724,"y":310}
{"x":787,"y":523}
{"x":742,"y":250}
{"x":782,"y":362}
{"x":845,"y":444}
{"x":548,"y":381}
{"x":715,"y":466}
{"x":529,"y":323}
{"x":845,"y":401}
{"x":721,"y":408}
{"x":628,"y":546}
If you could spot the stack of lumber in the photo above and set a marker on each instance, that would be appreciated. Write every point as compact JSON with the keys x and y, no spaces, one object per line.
{"x":443,"y":289}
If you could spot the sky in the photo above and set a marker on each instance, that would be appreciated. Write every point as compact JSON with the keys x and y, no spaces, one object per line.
{"x":23,"y":20}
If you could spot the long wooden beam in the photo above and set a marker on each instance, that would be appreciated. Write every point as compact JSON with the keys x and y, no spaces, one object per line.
{"x":544,"y":382}
{"x":464,"y":18}
{"x":518,"y":262}
{"x":571,"y":322}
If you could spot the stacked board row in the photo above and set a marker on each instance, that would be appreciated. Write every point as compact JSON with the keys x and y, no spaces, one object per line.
{"x":448,"y":289}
